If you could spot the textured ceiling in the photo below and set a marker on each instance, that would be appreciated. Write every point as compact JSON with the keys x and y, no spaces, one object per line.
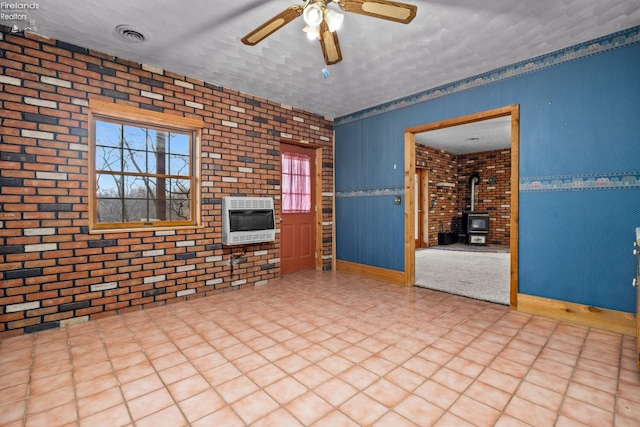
{"x":485,"y":135}
{"x":447,"y":41}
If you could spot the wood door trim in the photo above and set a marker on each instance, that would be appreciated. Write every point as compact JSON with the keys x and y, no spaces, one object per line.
{"x":318,"y":196}
{"x":409,"y":190}
{"x":423,"y":201}
{"x":299,"y":144}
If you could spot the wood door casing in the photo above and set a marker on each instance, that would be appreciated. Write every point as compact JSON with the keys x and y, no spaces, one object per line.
{"x":422,"y":208}
{"x":298,"y":228}
{"x":637,"y":284}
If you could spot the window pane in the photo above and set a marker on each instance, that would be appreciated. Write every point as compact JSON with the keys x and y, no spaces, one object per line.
{"x":108,"y":185}
{"x":109,"y":159}
{"x":157,"y":148}
{"x":135,"y":161}
{"x":179,"y":199}
{"x":135,"y":187}
{"x":296,"y":183}
{"x":110,"y":210}
{"x":178,"y":165}
{"x":108,"y":134}
{"x":135,"y":138}
{"x":179,"y":144}
{"x":136,"y":209}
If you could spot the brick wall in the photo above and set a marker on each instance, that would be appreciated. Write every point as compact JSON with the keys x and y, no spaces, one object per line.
{"x":495,"y":197}
{"x":444,"y":167}
{"x":52,"y":271}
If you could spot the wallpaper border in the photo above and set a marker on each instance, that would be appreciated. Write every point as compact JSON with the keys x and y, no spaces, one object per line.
{"x":596,"y":181}
{"x":588,"y":48}
{"x":393,"y":191}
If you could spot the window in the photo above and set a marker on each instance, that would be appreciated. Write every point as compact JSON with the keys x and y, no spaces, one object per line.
{"x":296,"y":183}
{"x":144,"y":171}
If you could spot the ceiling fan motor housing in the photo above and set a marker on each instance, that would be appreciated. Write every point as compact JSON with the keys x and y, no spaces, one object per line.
{"x":314,"y":13}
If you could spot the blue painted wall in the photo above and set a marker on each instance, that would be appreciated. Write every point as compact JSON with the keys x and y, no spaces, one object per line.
{"x":579,"y":121}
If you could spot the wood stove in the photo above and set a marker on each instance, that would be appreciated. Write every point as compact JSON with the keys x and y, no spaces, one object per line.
{"x":476,"y":227}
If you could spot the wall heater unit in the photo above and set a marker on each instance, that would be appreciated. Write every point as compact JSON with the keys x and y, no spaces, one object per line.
{"x":247,"y":220}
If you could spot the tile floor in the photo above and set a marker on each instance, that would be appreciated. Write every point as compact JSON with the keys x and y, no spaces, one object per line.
{"x":321,"y":349}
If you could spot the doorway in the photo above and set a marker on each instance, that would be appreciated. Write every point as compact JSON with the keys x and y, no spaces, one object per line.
{"x":422,"y":208}
{"x":299,"y":221}
{"x":411,"y":209}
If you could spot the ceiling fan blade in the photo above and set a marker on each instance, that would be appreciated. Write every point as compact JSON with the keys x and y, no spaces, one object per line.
{"x":330,"y":45}
{"x":272,"y":25}
{"x":390,"y":10}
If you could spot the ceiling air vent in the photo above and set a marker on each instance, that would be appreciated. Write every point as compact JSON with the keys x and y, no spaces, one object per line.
{"x":131,"y":34}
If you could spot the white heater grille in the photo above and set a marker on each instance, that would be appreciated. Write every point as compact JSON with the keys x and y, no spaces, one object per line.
{"x":234,"y":205}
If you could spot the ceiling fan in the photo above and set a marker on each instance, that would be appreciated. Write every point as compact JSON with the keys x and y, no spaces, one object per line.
{"x":322,"y":22}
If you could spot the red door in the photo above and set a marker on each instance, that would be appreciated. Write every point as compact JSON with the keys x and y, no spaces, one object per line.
{"x":297,"y":229}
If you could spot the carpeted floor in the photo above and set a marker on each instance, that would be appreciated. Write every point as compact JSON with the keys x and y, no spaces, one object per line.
{"x":479,"y":275}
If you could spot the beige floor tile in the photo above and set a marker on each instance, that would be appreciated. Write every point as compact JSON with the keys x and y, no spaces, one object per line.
{"x":141,"y":386}
{"x":150,"y":403}
{"x":312,"y":376}
{"x":321,"y":349}
{"x":386,"y":393}
{"x":13,"y":413}
{"x":452,"y":379}
{"x":221,"y":374}
{"x":419,"y":411}
{"x":474,"y":412}
{"x":285,"y":390}
{"x":358,"y":377}
{"x":278,"y":418}
{"x":336,"y":392}
{"x":405,"y":378}
{"x":170,"y":417}
{"x":236,"y":389}
{"x":188,"y":387}
{"x":335,"y":364}
{"x":223,"y":417}
{"x":530,"y":413}
{"x":14,"y":375}
{"x":134,"y":372}
{"x":363,"y":409}
{"x":99,"y":402}
{"x":116,"y":416}
{"x":450,"y":420}
{"x":57,"y":416}
{"x":202,"y":405}
{"x":13,"y":394}
{"x":255,"y":406}
{"x":488,"y":395}
{"x":309,"y":408}
{"x":336,"y":419}
{"x":266,"y":375}
{"x":585,"y":413}
{"x":51,"y":399}
{"x":437,"y":394}
{"x":177,"y":373}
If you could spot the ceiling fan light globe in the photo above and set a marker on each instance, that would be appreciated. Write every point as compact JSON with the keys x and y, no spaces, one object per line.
{"x":334,"y":19}
{"x":313,"y":15}
{"x":313,"y":33}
